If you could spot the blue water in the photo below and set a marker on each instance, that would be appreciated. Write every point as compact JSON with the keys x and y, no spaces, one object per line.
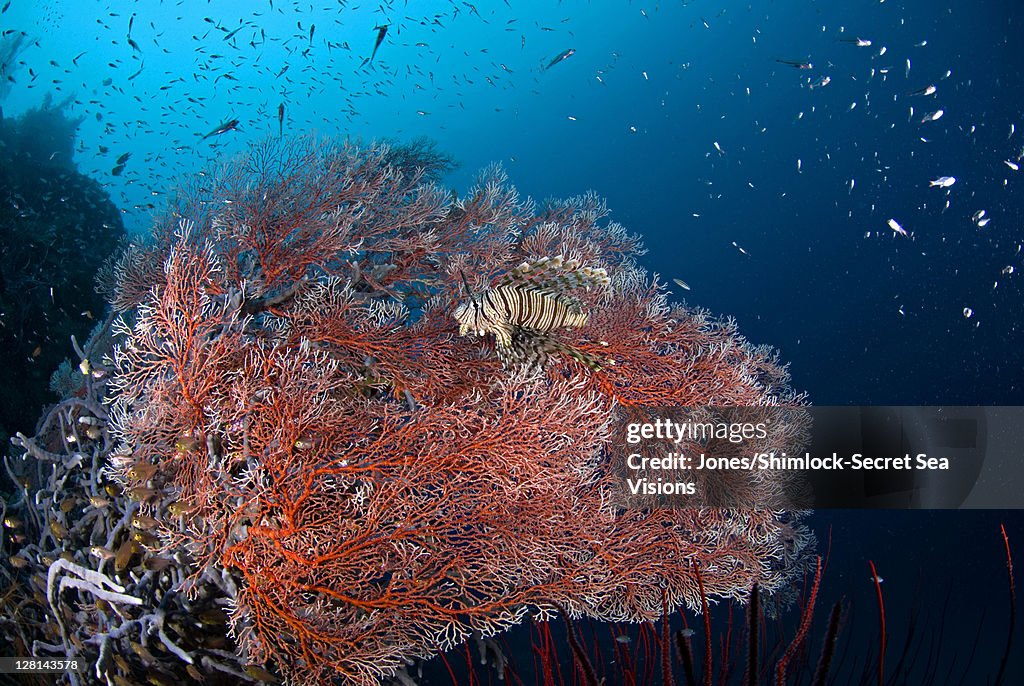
{"x":862,"y":314}
{"x":634,"y":114}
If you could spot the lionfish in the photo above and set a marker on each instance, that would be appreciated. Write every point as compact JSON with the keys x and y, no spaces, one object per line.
{"x":525,"y":306}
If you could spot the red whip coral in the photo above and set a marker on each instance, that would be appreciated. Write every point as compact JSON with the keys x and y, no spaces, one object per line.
{"x":295,"y":405}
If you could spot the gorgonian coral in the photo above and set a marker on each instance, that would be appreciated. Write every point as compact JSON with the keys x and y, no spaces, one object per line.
{"x":299,"y":411}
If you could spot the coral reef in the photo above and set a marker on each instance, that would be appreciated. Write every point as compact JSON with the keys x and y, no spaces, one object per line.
{"x":56,"y":228}
{"x":294,"y":434}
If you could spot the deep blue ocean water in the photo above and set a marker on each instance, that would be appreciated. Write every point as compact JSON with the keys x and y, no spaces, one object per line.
{"x":770,"y":198}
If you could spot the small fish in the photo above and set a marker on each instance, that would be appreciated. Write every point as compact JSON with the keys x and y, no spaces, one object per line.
{"x":895,"y":226}
{"x":143,"y":652}
{"x":101,"y":553}
{"x":231,"y":35}
{"x":977,"y":215}
{"x":982,"y":223}
{"x":797,"y":65}
{"x":280,"y":120}
{"x":312,"y":30}
{"x":229,"y":125}
{"x":932,"y":116}
{"x":156,"y":563}
{"x":59,"y":530}
{"x":145,"y":538}
{"x":564,"y":55}
{"x":1012,"y":165}
{"x":942,"y":182}
{"x":141,"y":521}
{"x":927,"y":90}
{"x":178,"y":508}
{"x":123,"y":158}
{"x":186,"y":443}
{"x":682,"y":284}
{"x":382,"y":31}
{"x":859,"y":42}
{"x":213,"y":617}
{"x":260,"y":674}
{"x":624,"y":640}
{"x":306,"y":443}
{"x":142,"y":471}
{"x":142,"y":494}
{"x":124,"y":555}
{"x":159,"y":679}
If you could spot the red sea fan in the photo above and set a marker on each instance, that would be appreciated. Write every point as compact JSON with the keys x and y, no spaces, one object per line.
{"x":377,"y":487}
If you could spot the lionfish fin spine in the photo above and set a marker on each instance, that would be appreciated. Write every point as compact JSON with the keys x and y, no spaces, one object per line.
{"x":583,"y":358}
{"x":554,"y":274}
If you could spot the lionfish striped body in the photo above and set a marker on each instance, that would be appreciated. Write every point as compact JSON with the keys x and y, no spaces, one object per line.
{"x":529,"y":303}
